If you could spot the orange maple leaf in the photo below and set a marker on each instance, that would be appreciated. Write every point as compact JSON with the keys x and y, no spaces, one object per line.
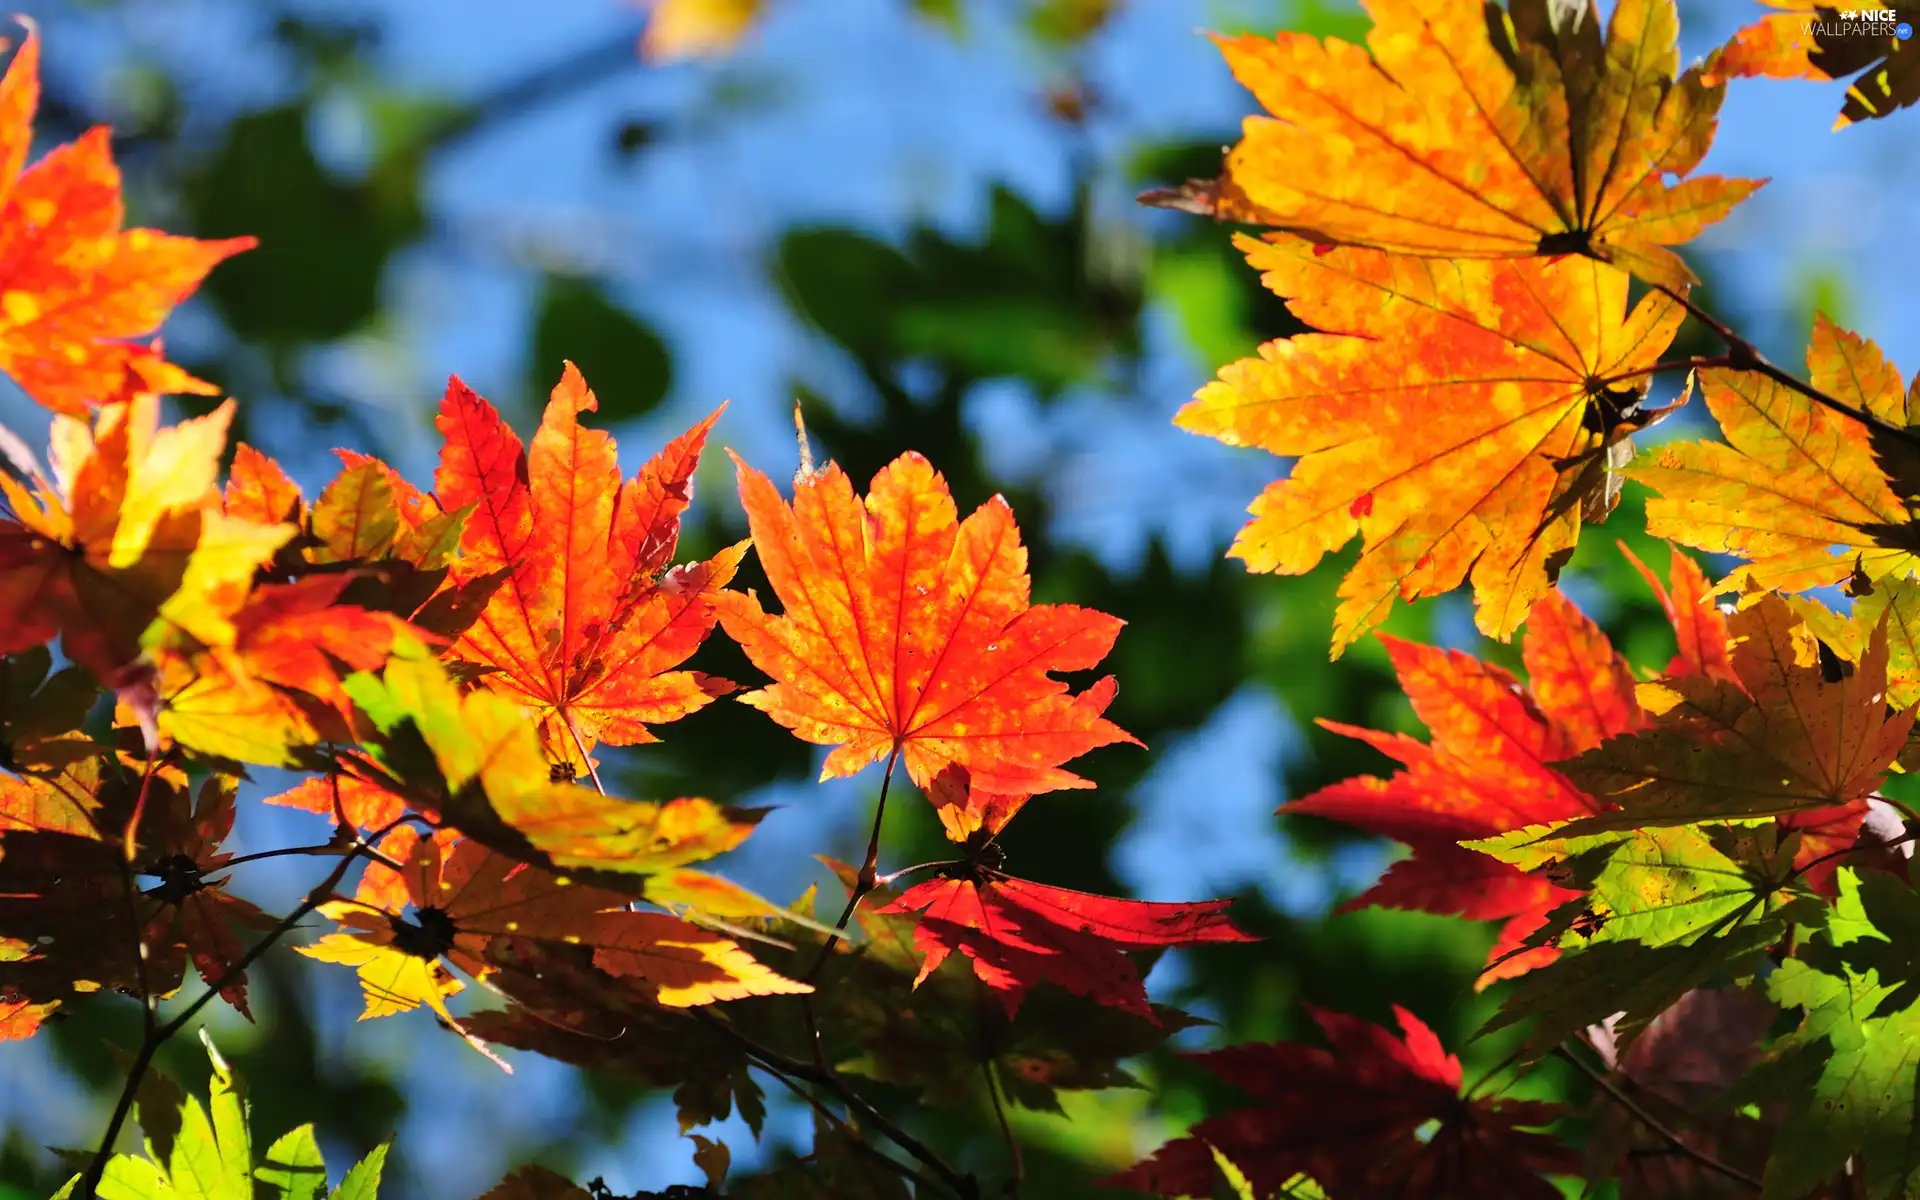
{"x":1444,"y":142}
{"x":1805,"y":495}
{"x":278,"y":686}
{"x":1462,"y":420}
{"x":591,"y":622}
{"x":73,"y":284}
{"x":126,"y":547}
{"x":908,"y":631}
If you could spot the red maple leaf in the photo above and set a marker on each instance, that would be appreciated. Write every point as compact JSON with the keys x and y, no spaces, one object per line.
{"x":1019,"y":933}
{"x":1488,"y":770}
{"x":1350,"y":1116}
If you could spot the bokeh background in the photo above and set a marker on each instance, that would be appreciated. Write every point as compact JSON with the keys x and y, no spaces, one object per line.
{"x":917,"y":219}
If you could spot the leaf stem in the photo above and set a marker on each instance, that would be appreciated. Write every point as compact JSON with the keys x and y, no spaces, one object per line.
{"x":838,"y":1122}
{"x":1829,"y":856}
{"x":129,"y":837}
{"x":1017,"y":1168}
{"x":580,"y":744}
{"x":1653,"y":1124}
{"x":867,"y":879}
{"x":155,"y":1038}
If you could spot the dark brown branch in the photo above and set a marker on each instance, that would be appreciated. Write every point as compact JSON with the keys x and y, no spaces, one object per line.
{"x":1743,"y":355}
{"x":963,"y":1185}
{"x":838,"y":1122}
{"x":1653,"y":1124}
{"x":155,"y":1038}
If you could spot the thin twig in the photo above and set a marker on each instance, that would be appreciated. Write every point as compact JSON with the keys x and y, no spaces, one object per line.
{"x":838,"y":1122}
{"x":154,"y":1039}
{"x":1017,"y":1169}
{"x":1745,"y":356}
{"x":1829,"y":856}
{"x":1653,"y":1123}
{"x":963,"y":1185}
{"x":328,"y":848}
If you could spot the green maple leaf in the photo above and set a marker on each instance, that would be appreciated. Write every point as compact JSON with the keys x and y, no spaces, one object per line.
{"x":1858,"y":983}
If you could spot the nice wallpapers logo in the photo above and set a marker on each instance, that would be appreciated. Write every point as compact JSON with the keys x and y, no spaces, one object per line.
{"x":1862,"y":22}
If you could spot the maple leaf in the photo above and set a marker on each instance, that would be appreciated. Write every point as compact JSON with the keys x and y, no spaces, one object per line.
{"x":1779,"y":740}
{"x":1352,"y":1114}
{"x":1463,"y":421}
{"x":591,"y":622}
{"x":389,"y":543}
{"x":458,"y":900}
{"x":1804,"y":494}
{"x":1678,"y":1070}
{"x":62,"y":866}
{"x":568,"y":1010}
{"x":1853,"y":1094}
{"x":1699,"y":627}
{"x":1469,"y":132}
{"x":906,"y":631}
{"x":1020,"y":933}
{"x":882,"y":1018}
{"x":127,"y":547}
{"x":687,"y":29}
{"x":259,"y":490}
{"x":1807,"y":40}
{"x":364,"y":803}
{"x":475,"y":762}
{"x":41,"y":713}
{"x":1489,"y":769}
{"x":279,"y":685}
{"x":1661,"y":911}
{"x":76,"y":284}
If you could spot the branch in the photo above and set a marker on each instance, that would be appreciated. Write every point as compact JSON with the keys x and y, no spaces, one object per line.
{"x":542,"y":85}
{"x":839,"y":1123}
{"x":155,"y":1038}
{"x":1653,"y":1123}
{"x":1743,"y":355}
{"x":963,"y":1185}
